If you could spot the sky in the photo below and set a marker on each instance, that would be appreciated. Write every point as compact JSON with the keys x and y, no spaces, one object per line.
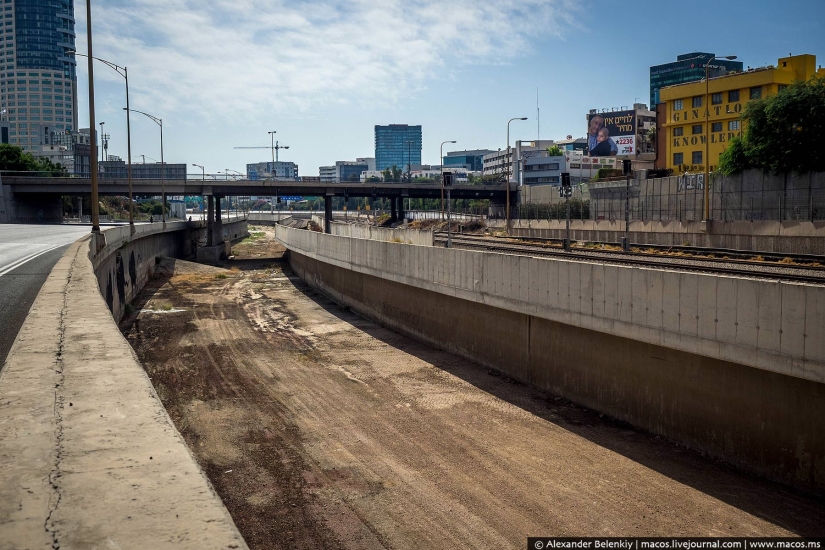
{"x":322,"y":74}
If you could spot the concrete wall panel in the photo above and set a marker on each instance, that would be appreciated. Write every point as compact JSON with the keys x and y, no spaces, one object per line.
{"x":661,"y":307}
{"x":706,"y":307}
{"x":814,"y":325}
{"x":769,"y":319}
{"x":688,"y":304}
{"x":747,"y":308}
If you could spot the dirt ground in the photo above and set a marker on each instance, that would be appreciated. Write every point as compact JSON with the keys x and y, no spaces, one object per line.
{"x":320,"y":429}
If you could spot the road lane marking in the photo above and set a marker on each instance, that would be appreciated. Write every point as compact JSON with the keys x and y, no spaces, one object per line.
{"x":28,"y":258}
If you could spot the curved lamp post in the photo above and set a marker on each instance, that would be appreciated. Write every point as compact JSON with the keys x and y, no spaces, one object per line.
{"x":122,"y":71}
{"x":159,"y":122}
{"x":509,"y":163}
{"x":706,"y":213}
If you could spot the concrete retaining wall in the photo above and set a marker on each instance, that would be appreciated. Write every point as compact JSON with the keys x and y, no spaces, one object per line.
{"x":126,"y":262}
{"x":398,"y":234}
{"x":17,"y":208}
{"x":734,"y":367}
{"x":788,"y":237}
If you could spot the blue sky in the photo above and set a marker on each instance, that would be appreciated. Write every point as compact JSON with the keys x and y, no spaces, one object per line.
{"x":323,"y":73}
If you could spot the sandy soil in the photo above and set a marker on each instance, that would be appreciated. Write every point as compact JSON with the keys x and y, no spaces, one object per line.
{"x":320,"y":429}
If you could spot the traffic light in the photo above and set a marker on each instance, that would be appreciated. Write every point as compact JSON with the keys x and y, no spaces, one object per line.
{"x":566,"y":189}
{"x":448,"y":179}
{"x":626,"y":167}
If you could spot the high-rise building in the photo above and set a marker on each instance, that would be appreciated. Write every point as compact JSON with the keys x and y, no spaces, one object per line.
{"x":38,"y":81}
{"x":688,"y":67}
{"x":469,"y":160}
{"x":398,"y":145}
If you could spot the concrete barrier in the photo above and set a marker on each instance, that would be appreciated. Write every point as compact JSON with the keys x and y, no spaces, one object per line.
{"x":790,"y":237}
{"x":734,"y":367}
{"x":125,"y":262}
{"x":90,"y":457}
{"x":391,"y":234}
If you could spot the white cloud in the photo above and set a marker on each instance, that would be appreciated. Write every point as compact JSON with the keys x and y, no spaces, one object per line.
{"x":240,"y":58}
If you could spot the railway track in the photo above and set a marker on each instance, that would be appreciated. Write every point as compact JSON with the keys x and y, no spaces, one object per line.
{"x":721,"y":265}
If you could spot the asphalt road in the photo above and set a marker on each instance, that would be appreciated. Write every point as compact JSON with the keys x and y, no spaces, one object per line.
{"x":27,"y":255}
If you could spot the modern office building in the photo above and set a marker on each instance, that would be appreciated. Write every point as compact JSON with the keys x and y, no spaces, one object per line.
{"x":685,"y":127}
{"x":688,"y":67}
{"x":469,"y":160}
{"x":278,"y":170}
{"x":397,"y":145}
{"x":116,"y":169}
{"x":344,"y":170}
{"x":38,"y":81}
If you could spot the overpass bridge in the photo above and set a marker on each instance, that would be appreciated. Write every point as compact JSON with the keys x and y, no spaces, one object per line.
{"x":22,"y":197}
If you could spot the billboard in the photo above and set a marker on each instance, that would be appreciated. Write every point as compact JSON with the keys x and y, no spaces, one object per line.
{"x":611,"y":134}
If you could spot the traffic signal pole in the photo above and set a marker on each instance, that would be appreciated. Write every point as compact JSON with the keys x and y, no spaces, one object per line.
{"x":566,"y":190}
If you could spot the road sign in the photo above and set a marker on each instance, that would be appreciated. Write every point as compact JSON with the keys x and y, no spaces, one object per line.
{"x":293,"y":198}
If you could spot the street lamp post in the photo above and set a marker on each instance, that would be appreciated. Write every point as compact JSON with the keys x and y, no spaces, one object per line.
{"x":101,"y":141}
{"x":409,"y":161}
{"x":706,"y":182}
{"x":203,"y":171}
{"x":442,"y":176}
{"x":92,"y":142}
{"x":507,"y":161}
{"x":122,"y":71}
{"x":159,"y":122}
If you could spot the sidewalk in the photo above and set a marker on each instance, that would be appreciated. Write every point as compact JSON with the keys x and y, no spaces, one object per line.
{"x":90,"y":457}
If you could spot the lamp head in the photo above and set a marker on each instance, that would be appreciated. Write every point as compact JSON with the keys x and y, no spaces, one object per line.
{"x":523,"y":118}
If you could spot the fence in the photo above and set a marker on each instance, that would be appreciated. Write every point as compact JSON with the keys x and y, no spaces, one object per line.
{"x":750,"y":196}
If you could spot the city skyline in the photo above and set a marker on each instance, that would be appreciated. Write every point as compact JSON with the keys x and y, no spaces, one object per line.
{"x":424,"y":64}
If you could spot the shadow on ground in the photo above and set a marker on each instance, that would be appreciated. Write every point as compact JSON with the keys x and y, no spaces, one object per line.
{"x":795,"y":511}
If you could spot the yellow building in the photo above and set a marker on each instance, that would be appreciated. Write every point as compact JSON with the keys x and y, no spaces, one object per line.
{"x":686,"y":117}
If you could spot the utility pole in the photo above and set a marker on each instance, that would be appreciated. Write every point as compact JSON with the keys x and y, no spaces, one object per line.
{"x":626,"y":165}
{"x":566,"y":191}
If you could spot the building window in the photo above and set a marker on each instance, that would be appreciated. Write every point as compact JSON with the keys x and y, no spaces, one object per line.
{"x":677,"y":105}
{"x":678,"y":131}
{"x":733,"y":125}
{"x":678,"y":159}
{"x":733,"y":96}
{"x":756,"y":92}
{"x":697,"y":101}
{"x":697,"y":129}
{"x":716,"y":127}
{"x":716,"y":99}
{"x":696,"y":157}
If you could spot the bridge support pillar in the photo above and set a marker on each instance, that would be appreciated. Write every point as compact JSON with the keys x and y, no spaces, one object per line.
{"x":328,"y":214}
{"x":393,"y":210}
{"x":401,"y":215}
{"x":217,"y":228}
{"x":210,"y":216}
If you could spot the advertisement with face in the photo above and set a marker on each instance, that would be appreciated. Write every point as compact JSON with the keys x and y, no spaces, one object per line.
{"x":611,"y":134}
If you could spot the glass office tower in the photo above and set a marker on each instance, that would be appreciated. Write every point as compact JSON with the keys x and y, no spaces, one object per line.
{"x":688,"y":67}
{"x":392,"y":147}
{"x":38,"y":80}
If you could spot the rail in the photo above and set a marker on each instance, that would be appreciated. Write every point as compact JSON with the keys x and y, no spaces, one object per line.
{"x":723,"y":265}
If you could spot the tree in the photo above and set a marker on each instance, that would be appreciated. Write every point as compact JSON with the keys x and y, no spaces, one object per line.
{"x":781,"y":132}
{"x":555,"y":151}
{"x":392,"y":174}
{"x":13,"y":159}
